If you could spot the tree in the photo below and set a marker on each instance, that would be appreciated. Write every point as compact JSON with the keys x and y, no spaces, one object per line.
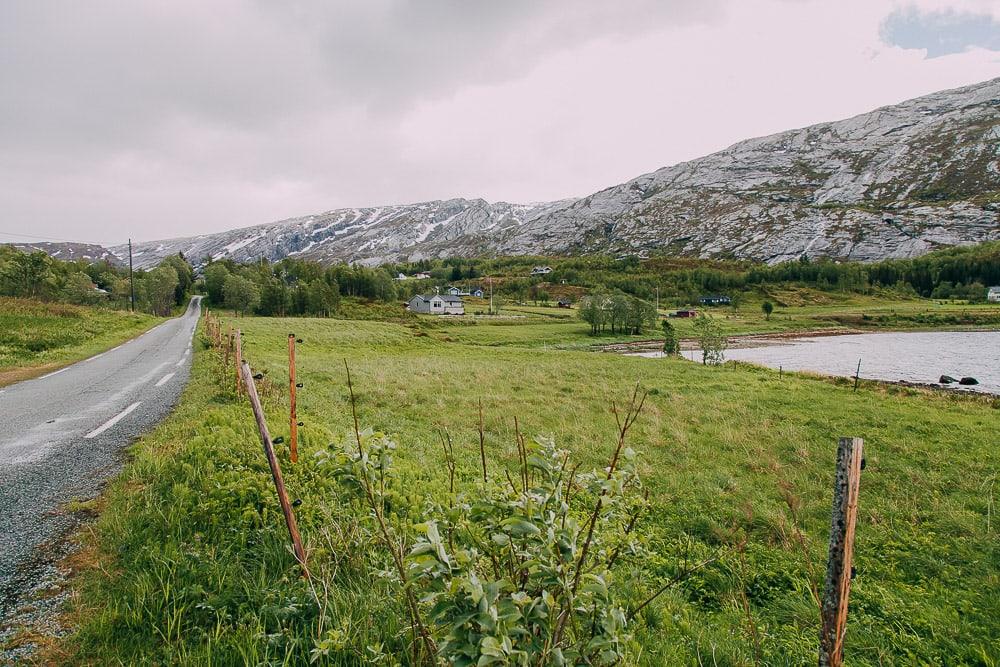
{"x":322,"y":298}
{"x":27,"y":275}
{"x":593,"y":311}
{"x":160,"y":284}
{"x":639,"y":314}
{"x":767,"y":308}
{"x":671,"y":345}
{"x":185,"y":276}
{"x":79,"y":289}
{"x":215,"y":280}
{"x":241,"y":294}
{"x":711,"y":339}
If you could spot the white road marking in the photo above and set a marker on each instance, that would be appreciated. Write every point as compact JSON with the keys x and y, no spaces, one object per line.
{"x":111,"y":422}
{"x":48,"y":375}
{"x":163,"y":380}
{"x":96,"y":356}
{"x":183,"y":359}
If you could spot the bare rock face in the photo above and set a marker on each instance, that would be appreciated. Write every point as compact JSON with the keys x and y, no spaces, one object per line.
{"x":896,"y":182}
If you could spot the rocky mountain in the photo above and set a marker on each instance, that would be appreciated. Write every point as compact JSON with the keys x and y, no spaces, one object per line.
{"x":70,"y":252}
{"x":896,"y":182}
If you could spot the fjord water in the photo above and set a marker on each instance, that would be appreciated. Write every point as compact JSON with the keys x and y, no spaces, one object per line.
{"x":911,"y":356}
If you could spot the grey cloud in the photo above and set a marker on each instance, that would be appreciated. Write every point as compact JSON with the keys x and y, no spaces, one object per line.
{"x":940,"y":32}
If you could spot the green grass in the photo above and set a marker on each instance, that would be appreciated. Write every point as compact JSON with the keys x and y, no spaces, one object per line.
{"x":194,"y":566}
{"x":797,"y":309}
{"x":37,"y":336}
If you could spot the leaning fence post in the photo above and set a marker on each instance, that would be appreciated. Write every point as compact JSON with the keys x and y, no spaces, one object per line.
{"x":293,"y":434}
{"x":239,"y":362}
{"x":839,"y":569}
{"x":272,"y":462}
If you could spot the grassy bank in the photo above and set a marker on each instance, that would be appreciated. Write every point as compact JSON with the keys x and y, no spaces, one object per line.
{"x":37,"y":337}
{"x":190,"y":563}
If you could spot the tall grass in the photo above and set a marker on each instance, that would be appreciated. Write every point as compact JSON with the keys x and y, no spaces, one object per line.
{"x":195,"y":567}
{"x":35,"y":333}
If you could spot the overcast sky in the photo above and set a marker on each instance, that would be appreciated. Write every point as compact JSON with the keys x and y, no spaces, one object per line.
{"x":163,"y":119}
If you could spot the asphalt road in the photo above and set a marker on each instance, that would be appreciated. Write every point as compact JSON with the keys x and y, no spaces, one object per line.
{"x":63,"y":434}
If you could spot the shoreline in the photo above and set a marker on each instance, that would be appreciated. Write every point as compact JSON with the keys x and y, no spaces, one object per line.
{"x":749,"y":340}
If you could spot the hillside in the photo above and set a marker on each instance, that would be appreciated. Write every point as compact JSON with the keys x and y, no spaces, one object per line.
{"x":896,"y":182}
{"x":71,"y":252}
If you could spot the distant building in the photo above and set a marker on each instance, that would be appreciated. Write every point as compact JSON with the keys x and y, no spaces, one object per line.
{"x":478,"y":293}
{"x":401,"y":276}
{"x":454,"y":291}
{"x":993,"y":296}
{"x":541,"y":270}
{"x":437,"y":304}
{"x":565,"y":304}
{"x":684,"y":313}
{"x":715,"y":300}
{"x":421,"y":276}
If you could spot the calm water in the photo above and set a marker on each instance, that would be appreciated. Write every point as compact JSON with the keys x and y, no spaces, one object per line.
{"x":916,"y":357}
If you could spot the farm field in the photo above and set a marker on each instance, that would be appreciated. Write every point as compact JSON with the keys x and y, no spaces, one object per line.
{"x":37,"y":337}
{"x":803,"y":310}
{"x":188,"y":562}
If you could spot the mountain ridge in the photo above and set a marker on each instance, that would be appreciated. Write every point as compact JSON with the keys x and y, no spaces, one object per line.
{"x":897,"y":181}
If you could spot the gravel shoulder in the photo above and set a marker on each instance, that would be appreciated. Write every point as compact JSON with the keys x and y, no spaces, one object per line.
{"x":63,"y":435}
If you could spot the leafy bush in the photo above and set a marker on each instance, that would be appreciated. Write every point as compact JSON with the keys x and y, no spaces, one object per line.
{"x":515,"y":573}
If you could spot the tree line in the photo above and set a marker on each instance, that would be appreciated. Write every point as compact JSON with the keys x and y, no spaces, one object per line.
{"x":36,"y":275}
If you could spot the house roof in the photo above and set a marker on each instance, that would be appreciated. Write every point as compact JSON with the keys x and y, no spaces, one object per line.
{"x":444,"y":297}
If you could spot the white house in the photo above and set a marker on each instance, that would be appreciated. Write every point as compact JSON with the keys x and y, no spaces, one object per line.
{"x":541,"y":270}
{"x":423,"y":275}
{"x":993,"y":296}
{"x":437,"y":304}
{"x":400,"y":276}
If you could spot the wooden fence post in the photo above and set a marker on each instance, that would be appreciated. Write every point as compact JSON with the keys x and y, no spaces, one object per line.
{"x":239,"y":362}
{"x":839,"y":570}
{"x":272,"y":462}
{"x":293,"y":433}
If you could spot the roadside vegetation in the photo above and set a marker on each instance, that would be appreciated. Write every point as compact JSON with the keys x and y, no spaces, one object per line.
{"x":189,"y":561}
{"x":36,"y":337}
{"x":39,"y":277}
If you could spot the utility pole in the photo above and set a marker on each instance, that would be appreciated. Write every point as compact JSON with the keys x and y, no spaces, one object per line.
{"x":131,"y":282}
{"x":657,"y":300}
{"x":491,"y":294}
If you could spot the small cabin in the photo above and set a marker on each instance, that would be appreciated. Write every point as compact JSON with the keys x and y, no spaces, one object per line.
{"x":423,"y":275}
{"x":993,"y":295}
{"x":437,"y":304}
{"x":715,"y":300}
{"x":541,"y":270}
{"x":478,"y":293}
{"x":684,"y":313}
{"x":564,"y":304}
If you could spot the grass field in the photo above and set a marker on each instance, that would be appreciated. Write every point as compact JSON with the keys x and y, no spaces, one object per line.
{"x":37,"y":337}
{"x":799,"y":309}
{"x":188,"y":562}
